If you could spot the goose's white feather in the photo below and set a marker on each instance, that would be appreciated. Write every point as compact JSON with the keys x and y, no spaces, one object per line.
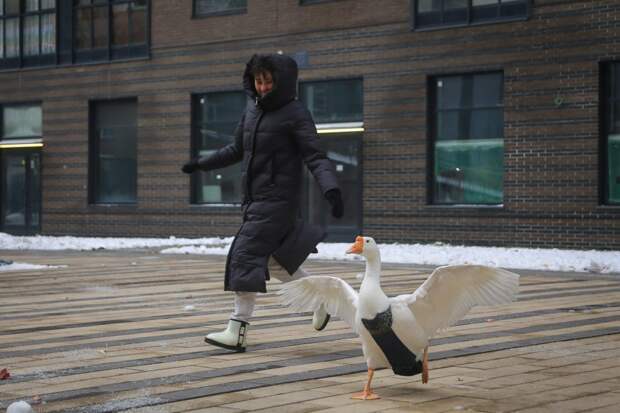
{"x":445,"y":297}
{"x":451,"y":291}
{"x":308,"y":293}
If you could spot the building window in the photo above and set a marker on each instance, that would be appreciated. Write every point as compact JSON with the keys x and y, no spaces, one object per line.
{"x":21,"y":122}
{"x":110,"y":29}
{"x":467,"y":139}
{"x":337,"y":109}
{"x":611,"y":133}
{"x":434,"y":13}
{"x":113,"y":150}
{"x":334,"y":100}
{"x":304,"y":2}
{"x":219,"y":7}
{"x":214,"y":122}
{"x":27,"y":32}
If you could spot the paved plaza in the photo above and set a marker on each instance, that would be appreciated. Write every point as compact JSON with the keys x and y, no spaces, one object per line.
{"x":123,"y":332}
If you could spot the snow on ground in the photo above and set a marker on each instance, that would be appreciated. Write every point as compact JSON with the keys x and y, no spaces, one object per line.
{"x":425,"y":254}
{"x":21,"y":266}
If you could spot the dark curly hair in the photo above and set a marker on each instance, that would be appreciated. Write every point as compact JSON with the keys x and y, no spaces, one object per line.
{"x":261,"y":64}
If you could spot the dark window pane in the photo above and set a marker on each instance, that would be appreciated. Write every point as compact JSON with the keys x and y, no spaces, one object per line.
{"x":446,"y":12}
{"x":219,"y":6}
{"x":31,"y":35}
{"x":485,"y":9}
{"x":32,"y":5}
{"x":344,"y":150}
{"x":448,"y":125}
{"x":615,"y":81}
{"x":513,"y":8}
{"x":83,"y":30}
{"x":100,"y":22}
{"x":454,"y":4}
{"x":116,"y":149}
{"x":48,"y":4}
{"x":425,"y":6}
{"x":48,"y":33}
{"x":14,"y":203}
{"x":613,"y":162}
{"x":486,"y":124}
{"x":217,"y":116}
{"x":455,"y":11}
{"x":12,"y":38}
{"x":333,"y":101}
{"x":120,"y":26}
{"x":450,"y":92}
{"x":1,"y":7}
{"x":487,"y":90}
{"x":138,"y":23}
{"x":12,"y":6}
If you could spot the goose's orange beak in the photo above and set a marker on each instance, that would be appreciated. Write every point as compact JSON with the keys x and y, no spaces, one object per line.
{"x":358,"y":247}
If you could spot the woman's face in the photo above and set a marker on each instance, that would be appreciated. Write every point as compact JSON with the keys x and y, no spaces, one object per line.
{"x":263,"y":83}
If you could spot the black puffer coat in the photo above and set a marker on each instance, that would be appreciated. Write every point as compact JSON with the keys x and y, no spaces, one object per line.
{"x":275,"y":137}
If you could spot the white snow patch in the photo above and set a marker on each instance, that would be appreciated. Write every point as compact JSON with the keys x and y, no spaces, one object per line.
{"x":22,"y":266}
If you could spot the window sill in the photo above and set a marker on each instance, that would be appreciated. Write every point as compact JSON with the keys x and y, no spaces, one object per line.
{"x":76,"y":64}
{"x":313,"y":2}
{"x":219,"y":13}
{"x":496,"y":207}
{"x":213,"y":205}
{"x":472,"y":24}
{"x":608,"y":207}
{"x":115,"y":207}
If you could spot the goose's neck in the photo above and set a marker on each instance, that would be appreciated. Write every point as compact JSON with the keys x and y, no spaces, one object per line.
{"x":372,"y":278}
{"x":372,"y":298}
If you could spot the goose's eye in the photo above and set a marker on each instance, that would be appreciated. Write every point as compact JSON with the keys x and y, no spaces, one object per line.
{"x":367,"y":241}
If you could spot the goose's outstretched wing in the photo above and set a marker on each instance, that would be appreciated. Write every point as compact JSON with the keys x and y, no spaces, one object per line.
{"x":451,"y":291}
{"x":308,"y":293}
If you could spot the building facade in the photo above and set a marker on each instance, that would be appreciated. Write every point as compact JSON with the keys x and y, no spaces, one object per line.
{"x":477,"y":122}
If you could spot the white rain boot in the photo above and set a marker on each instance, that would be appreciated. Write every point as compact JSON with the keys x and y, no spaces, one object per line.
{"x":233,"y":338}
{"x":320,"y":318}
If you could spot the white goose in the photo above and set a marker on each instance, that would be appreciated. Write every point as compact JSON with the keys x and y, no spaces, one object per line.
{"x":396,"y":331}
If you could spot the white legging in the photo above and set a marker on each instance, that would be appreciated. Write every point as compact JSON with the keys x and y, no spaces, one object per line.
{"x":245,"y":301}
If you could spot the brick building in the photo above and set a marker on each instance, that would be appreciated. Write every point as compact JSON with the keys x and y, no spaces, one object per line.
{"x":480,"y":122}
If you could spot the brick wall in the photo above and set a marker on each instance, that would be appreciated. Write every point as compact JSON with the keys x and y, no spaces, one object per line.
{"x":551,"y":181}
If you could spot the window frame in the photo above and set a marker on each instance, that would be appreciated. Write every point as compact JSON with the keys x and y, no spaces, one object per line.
{"x":312,"y":2}
{"x":431,"y":138}
{"x":109,"y":52}
{"x":354,"y":130}
{"x":196,"y":15}
{"x":93,"y":152}
{"x":415,"y":26}
{"x":609,"y":73}
{"x":23,"y":60}
{"x":195,"y":147}
{"x":330,"y":80}
{"x":28,"y":139}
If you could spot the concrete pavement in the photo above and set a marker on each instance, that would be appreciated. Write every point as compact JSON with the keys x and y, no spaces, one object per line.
{"x":123,"y":332}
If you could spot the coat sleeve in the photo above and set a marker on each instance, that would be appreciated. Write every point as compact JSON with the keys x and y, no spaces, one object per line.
{"x":307,"y":140}
{"x":228,"y":155}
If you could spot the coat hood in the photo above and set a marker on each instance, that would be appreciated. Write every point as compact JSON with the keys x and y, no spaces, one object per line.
{"x":284,"y":78}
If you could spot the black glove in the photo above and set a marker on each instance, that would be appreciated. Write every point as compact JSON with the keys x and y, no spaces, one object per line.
{"x":334,"y":198}
{"x":190,"y":167}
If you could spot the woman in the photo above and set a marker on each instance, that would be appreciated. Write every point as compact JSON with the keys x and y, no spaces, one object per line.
{"x":275,"y":136}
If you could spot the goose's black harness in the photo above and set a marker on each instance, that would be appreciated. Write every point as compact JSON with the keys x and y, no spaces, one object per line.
{"x":403,"y":361}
